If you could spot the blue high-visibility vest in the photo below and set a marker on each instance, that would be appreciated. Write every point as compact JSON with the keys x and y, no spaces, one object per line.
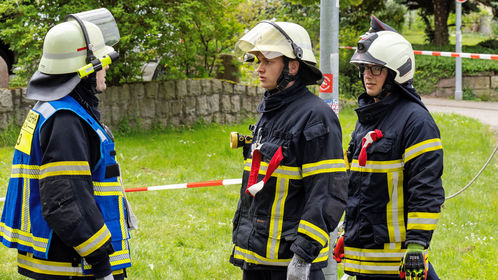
{"x":22,"y":224}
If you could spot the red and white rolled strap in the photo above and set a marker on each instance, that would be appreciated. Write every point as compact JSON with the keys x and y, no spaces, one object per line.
{"x":367,"y":140}
{"x":253,"y":187}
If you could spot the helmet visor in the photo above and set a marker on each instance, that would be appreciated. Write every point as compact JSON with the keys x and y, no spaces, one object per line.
{"x":105,"y":22}
{"x":266,"y":39}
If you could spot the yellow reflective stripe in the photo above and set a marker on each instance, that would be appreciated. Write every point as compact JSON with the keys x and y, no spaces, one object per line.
{"x":282,"y":171}
{"x":394,"y":208}
{"x":422,"y":147}
{"x":94,"y":242}
{"x":373,"y":254}
{"x":422,"y":220}
{"x":65,"y":168}
{"x":323,"y":255}
{"x":48,"y":267}
{"x":25,"y":214}
{"x":373,"y":261}
{"x":107,"y":188}
{"x":324,"y":166}
{"x":25,"y":171}
{"x":378,"y":166}
{"x":372,"y":267}
{"x":276,"y":218}
{"x":122,"y":222}
{"x":23,"y":238}
{"x":252,"y":257}
{"x":314,"y":232}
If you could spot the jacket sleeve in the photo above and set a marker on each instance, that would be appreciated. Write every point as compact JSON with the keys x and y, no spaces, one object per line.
{"x":325,"y":185}
{"x":423,"y":167}
{"x":69,"y":151}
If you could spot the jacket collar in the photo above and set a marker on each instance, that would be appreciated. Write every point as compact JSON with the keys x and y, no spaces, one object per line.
{"x":370,"y":111}
{"x":274,"y":100}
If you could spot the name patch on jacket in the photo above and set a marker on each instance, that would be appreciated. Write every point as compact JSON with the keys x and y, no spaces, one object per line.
{"x":27,"y":130}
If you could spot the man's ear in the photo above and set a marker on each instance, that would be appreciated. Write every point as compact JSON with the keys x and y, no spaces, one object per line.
{"x":293,"y":67}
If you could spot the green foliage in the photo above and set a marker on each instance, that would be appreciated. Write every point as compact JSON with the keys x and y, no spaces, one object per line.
{"x":9,"y":135}
{"x":186,"y":36}
{"x":468,"y":94}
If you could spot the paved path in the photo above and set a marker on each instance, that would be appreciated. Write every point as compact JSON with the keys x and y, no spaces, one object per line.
{"x":486,"y":112}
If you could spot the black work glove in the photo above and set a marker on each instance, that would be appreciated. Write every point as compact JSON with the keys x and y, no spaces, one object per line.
{"x":413,"y":263}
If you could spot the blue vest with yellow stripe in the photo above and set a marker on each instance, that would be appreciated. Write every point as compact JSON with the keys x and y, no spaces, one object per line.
{"x":22,"y":225}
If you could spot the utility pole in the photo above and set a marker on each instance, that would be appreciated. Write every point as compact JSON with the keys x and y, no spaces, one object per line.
{"x":329,"y":52}
{"x":458,"y":45}
{"x":329,"y":90}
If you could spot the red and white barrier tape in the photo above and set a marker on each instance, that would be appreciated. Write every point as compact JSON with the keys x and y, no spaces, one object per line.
{"x":225,"y":182}
{"x":450,"y":54}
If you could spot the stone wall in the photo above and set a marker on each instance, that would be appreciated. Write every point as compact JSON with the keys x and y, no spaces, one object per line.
{"x":157,"y":103}
{"x":482,"y":85}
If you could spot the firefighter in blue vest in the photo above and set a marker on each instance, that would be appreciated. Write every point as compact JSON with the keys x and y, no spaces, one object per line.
{"x":395,"y":190}
{"x":65,"y":210}
{"x":294,"y":181}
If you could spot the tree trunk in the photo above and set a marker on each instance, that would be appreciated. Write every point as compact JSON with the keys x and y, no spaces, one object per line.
{"x":441,"y":12}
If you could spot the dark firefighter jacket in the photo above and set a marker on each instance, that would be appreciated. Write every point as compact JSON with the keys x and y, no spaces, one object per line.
{"x":305,"y":196}
{"x":395,"y":198}
{"x":65,"y":207}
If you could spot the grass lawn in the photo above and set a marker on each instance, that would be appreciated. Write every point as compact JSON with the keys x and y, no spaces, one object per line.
{"x":186,"y":234}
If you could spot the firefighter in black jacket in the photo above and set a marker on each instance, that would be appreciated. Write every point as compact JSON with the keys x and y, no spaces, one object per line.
{"x":65,"y":210}
{"x":395,"y":191}
{"x":294,"y":182}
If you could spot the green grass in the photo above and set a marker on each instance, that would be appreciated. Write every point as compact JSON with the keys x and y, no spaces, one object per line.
{"x":186,"y":234}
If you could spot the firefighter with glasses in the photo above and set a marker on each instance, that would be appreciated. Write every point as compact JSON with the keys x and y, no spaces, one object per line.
{"x":395,"y":191}
{"x":294,"y":181}
{"x":65,"y":210}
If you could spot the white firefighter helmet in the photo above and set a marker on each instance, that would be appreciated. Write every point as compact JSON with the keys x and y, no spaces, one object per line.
{"x":64,"y":48}
{"x":84,"y":38}
{"x":287,"y":39}
{"x":388,"y":48}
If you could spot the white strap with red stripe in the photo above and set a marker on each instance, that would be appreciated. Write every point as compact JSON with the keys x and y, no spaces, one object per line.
{"x":252,"y":187}
{"x":369,"y":138}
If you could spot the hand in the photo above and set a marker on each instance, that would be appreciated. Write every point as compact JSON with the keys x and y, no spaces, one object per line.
{"x":108,"y":277}
{"x":413,"y":263}
{"x":298,"y":269}
{"x":339,"y":249}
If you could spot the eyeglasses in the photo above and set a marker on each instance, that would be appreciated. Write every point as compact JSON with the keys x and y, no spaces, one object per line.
{"x":375,"y":70}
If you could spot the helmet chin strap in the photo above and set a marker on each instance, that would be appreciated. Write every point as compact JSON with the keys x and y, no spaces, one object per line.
{"x":285,"y":78}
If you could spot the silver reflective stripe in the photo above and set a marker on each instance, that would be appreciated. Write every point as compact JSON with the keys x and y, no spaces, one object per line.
{"x":280,"y":171}
{"x":276,"y":218}
{"x":422,"y":147}
{"x":44,"y":108}
{"x":378,"y":166}
{"x":372,"y":267}
{"x":322,"y":239}
{"x":22,"y":239}
{"x":323,"y":166}
{"x":20,"y":170}
{"x":101,"y":135}
{"x":92,"y":246}
{"x":46,"y":169}
{"x":374,"y":254}
{"x":44,"y":268}
{"x":425,"y":221}
{"x":238,"y":254}
{"x":107,"y":189}
{"x":25,"y":206}
{"x":394,"y":205}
